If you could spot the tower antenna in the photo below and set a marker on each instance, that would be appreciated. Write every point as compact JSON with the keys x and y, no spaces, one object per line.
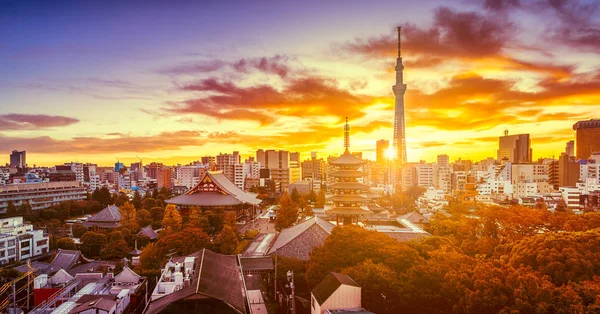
{"x":347,"y":137}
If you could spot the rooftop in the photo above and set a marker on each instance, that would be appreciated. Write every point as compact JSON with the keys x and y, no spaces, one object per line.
{"x":330,"y":284}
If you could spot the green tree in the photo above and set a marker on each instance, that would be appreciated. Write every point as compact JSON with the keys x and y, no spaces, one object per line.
{"x":312,"y":196}
{"x":116,"y":247}
{"x":149,"y":203}
{"x":92,"y":243}
{"x":128,"y":216}
{"x":65,"y":244}
{"x":11,"y":210}
{"x":228,"y":241}
{"x":78,"y":230}
{"x":151,"y":257}
{"x":184,"y":242}
{"x":144,"y":218}
{"x":287,"y":213}
{"x":157,"y":214}
{"x":137,"y":200}
{"x":320,"y":202}
{"x":295,"y":195}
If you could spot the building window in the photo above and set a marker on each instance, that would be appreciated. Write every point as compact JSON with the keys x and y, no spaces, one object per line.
{"x":11,"y":252}
{"x":11,"y":242}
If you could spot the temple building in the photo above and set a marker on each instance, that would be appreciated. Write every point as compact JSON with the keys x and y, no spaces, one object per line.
{"x":216,"y":191}
{"x":348,"y":198}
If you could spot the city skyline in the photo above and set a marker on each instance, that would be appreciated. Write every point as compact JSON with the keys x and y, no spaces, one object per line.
{"x":77,"y":88}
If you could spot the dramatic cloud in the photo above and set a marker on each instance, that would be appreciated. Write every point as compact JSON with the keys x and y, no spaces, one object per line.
{"x":300,"y":97}
{"x":16,"y":121}
{"x":277,"y":65}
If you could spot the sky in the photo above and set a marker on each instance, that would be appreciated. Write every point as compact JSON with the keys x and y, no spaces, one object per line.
{"x":171,"y":81}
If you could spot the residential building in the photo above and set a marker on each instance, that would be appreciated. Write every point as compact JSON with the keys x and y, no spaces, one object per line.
{"x":314,"y":168}
{"x":514,"y":148}
{"x":61,"y":175}
{"x":18,"y":159}
{"x":570,"y":148}
{"x":40,"y":195}
{"x":278,"y":162}
{"x":587,"y":134}
{"x":76,"y":167}
{"x":425,"y":174}
{"x":18,"y":240}
{"x":336,"y":293}
{"x":295,"y":167}
{"x":88,"y":170}
{"x":95,"y":182}
{"x":589,"y":170}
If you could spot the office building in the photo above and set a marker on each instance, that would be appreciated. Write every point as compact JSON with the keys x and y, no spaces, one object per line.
{"x":514,"y":148}
{"x":18,"y":159}
{"x":88,"y":170}
{"x":40,"y":195}
{"x":278,"y":162}
{"x":314,"y":168}
{"x":570,"y":148}
{"x":587,"y":138}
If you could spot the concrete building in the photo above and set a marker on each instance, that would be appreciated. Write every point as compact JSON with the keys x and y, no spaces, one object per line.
{"x":587,"y":135}
{"x":278,"y":162}
{"x":514,"y":148}
{"x":76,"y":167}
{"x":40,"y":195}
{"x":229,"y":159}
{"x":18,"y":159}
{"x":314,"y":168}
{"x":18,"y":241}
{"x":589,"y":171}
{"x":95,"y":182}
{"x":89,"y":170}
{"x":61,"y":175}
{"x":295,"y":167}
{"x":425,"y":174}
{"x":570,"y":148}
{"x":189,"y":175}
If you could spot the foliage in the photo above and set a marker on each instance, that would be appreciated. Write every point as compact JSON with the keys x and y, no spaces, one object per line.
{"x":78,"y":230}
{"x":137,"y":200}
{"x":144,"y":218}
{"x":320,"y":201}
{"x":116,"y":247}
{"x":102,"y":196}
{"x":65,"y":244}
{"x":172,"y":219}
{"x":228,"y":241}
{"x":157,"y":214}
{"x":287,"y":213}
{"x":251,"y":234}
{"x":92,"y":243}
{"x":128,"y":217}
{"x":151,"y":259}
{"x":185,"y":242}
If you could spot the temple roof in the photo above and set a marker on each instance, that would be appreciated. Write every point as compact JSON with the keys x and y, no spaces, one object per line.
{"x":215,"y":189}
{"x":289,"y":234}
{"x":148,"y":232}
{"x":349,"y":186}
{"x":348,"y":159}
{"x":127,"y":276}
{"x":64,"y":259}
{"x":348,"y":198}
{"x":109,"y":217}
{"x":347,"y":173}
{"x":362,"y":210}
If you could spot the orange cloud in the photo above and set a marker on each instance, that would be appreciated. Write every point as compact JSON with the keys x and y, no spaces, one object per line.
{"x":15,"y":121}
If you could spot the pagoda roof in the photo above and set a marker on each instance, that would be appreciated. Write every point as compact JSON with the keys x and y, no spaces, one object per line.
{"x":347,"y":173}
{"x":108,"y":214}
{"x":215,"y":190}
{"x":362,"y":210}
{"x":348,"y":159}
{"x":348,"y":198}
{"x":307,"y":235}
{"x":349,"y":186}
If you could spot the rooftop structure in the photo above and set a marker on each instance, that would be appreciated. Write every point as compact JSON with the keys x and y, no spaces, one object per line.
{"x":298,"y":241}
{"x":200,"y":277}
{"x":19,"y":241}
{"x":336,"y":292}
{"x":107,"y":218}
{"x":215,"y":190}
{"x":348,"y":198}
{"x":587,"y":134}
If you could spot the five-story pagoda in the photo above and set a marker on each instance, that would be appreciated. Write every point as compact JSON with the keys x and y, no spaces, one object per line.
{"x":347,"y":198}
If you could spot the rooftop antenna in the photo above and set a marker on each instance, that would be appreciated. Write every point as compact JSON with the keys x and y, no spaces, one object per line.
{"x":505,"y":132}
{"x":347,"y":137}
{"x":138,"y":157}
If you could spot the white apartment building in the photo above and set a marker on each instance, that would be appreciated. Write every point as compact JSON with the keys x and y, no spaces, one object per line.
{"x":189,"y":176}
{"x":18,"y":241}
{"x":95,"y":182}
{"x":590,"y":171}
{"x":425,"y":174}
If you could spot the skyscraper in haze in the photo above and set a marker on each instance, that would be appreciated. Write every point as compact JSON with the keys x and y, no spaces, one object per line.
{"x":587,"y":138}
{"x":399,"y":90}
{"x":514,"y":148}
{"x":18,"y":159}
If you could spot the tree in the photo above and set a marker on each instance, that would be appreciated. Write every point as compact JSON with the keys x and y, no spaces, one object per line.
{"x":303,"y":206}
{"x":92,"y":243}
{"x":378,"y":283}
{"x":78,"y":230}
{"x":149,"y":203}
{"x":295,"y":195}
{"x":128,"y":216}
{"x":151,"y":257}
{"x":137,"y":199}
{"x":228,"y":241}
{"x":102,"y":196}
{"x":26,"y":211}
{"x":11,"y":210}
{"x":144,"y":218}
{"x":312,"y":196}
{"x":320,"y":202}
{"x":172,"y":219}
{"x":65,"y":244}
{"x":121,"y":199}
{"x":184,"y":242}
{"x":287,"y":213}
{"x":116,"y":247}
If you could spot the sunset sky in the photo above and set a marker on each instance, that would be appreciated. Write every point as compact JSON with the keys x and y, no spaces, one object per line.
{"x":172,"y":81}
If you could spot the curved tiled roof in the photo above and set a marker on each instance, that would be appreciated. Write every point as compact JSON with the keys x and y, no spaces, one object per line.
{"x":347,"y":173}
{"x":64,"y":259}
{"x":348,"y":159}
{"x":231,"y":195}
{"x":289,"y":234}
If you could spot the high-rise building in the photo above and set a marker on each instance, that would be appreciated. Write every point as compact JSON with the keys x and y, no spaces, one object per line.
{"x":76,"y":167}
{"x":208,"y":160}
{"x":313,"y":169}
{"x":229,"y":159}
{"x":514,"y":148}
{"x":570,"y":148}
{"x":587,"y":138}
{"x":18,"y":159}
{"x":381,"y":147}
{"x":89,"y":170}
{"x":295,"y":167}
{"x":399,"y":90}
{"x":443,"y":161}
{"x":278,"y":162}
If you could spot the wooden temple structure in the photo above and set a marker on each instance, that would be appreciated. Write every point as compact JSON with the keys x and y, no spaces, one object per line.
{"x":215,"y":191}
{"x":347,"y":198}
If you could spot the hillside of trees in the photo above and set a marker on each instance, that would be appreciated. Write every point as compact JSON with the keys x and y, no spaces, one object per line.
{"x":490,"y":260}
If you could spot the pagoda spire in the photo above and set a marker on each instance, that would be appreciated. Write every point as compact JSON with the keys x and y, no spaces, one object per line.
{"x":347,"y":137}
